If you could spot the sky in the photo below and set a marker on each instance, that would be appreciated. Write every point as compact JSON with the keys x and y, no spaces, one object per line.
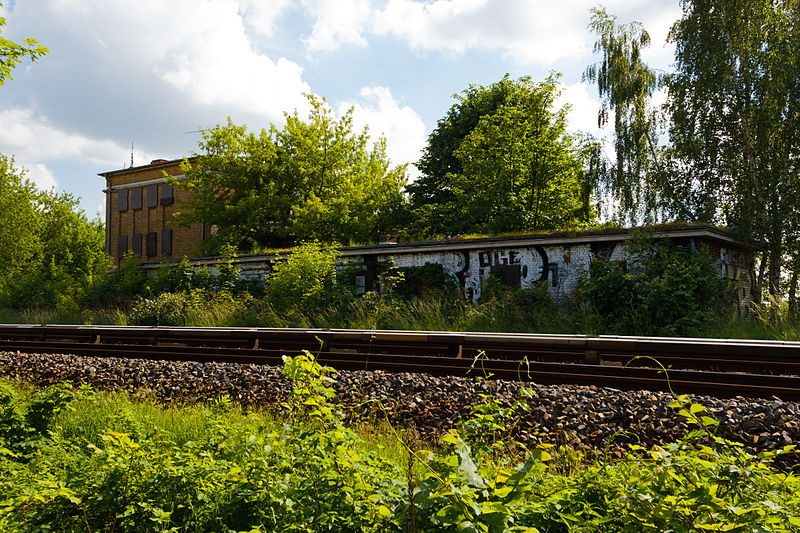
{"x":151,"y":73}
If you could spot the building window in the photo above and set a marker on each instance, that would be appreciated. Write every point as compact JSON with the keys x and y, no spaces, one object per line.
{"x":122,"y":200}
{"x":151,"y":245}
{"x":152,"y":195}
{"x":136,"y":246}
{"x":122,"y":245}
{"x":166,"y":242}
{"x":136,"y":198}
{"x":167,"y":197}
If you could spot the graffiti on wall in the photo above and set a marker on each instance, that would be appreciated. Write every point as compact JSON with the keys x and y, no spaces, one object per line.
{"x":521,"y":267}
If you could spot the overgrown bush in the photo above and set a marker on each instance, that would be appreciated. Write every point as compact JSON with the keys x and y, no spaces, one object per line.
{"x":426,"y":281}
{"x":166,"y":309}
{"x":78,"y":461}
{"x":663,"y":290}
{"x":306,"y":278}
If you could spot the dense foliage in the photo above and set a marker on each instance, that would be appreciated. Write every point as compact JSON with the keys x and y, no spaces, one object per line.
{"x":501,"y":160}
{"x":306,"y":278}
{"x":735,"y":120}
{"x":313,"y":179}
{"x":724,"y":148}
{"x":660,"y":291}
{"x":50,"y":253}
{"x":74,"y":460}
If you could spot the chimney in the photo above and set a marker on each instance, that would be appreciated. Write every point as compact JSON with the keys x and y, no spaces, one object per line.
{"x":157,"y":161}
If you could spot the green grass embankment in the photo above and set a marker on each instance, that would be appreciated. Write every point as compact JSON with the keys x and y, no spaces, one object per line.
{"x":76,"y":460}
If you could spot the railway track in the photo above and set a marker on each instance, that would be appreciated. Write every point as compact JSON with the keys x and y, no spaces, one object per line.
{"x":717,"y":367}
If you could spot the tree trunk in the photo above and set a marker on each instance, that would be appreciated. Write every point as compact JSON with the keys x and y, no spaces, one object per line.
{"x":774,"y":278}
{"x":762,"y":268}
{"x":792,"y":311}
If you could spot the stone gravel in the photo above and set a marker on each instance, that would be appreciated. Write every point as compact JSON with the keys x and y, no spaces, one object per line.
{"x":584,"y":417}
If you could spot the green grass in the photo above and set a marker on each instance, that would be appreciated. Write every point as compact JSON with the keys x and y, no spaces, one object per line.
{"x":515,"y":311}
{"x":80,"y":461}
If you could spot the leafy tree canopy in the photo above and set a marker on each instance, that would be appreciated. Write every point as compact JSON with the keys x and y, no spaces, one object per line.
{"x":735,"y":128}
{"x":731,"y":117}
{"x":501,"y":160}
{"x":625,"y":85}
{"x":49,"y":251}
{"x":314,"y":179}
{"x":12,"y":53}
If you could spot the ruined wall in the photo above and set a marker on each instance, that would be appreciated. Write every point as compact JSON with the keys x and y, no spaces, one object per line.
{"x":560,"y":266}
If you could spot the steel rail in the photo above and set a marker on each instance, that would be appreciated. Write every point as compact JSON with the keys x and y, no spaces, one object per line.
{"x":546,"y":359}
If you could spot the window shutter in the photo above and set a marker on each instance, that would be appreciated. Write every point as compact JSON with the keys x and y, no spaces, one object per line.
{"x":137,"y":244}
{"x":166,"y":242}
{"x":136,"y":198}
{"x":122,"y":245}
{"x":167,"y":197}
{"x":151,"y":245}
{"x":122,"y":200}
{"x":152,"y":195}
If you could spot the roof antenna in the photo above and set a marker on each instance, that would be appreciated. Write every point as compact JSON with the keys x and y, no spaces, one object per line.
{"x":131,"y":154}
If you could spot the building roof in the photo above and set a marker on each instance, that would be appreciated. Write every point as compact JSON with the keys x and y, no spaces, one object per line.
{"x":156,"y":163}
{"x":570,"y":238}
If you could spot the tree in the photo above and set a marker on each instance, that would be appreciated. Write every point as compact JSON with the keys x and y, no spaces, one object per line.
{"x":732,"y":119}
{"x":12,"y":53}
{"x":733,"y":105}
{"x":625,"y":85}
{"x":50,"y":253}
{"x":438,"y":162}
{"x":501,"y":160}
{"x":19,"y":224}
{"x":314,"y":179}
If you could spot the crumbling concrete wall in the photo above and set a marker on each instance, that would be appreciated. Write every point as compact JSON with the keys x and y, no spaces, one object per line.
{"x":561,"y":265}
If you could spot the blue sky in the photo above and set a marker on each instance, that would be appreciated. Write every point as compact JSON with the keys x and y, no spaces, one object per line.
{"x":149,"y":71}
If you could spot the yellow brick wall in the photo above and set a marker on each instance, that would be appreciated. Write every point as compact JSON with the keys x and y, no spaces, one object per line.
{"x":148,"y":219}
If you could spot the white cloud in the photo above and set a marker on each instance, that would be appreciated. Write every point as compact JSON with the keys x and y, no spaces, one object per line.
{"x":34,"y":142}
{"x":383,"y":115}
{"x":215,"y":63}
{"x":584,"y":105}
{"x":41,"y":176}
{"x":200,"y":48}
{"x":337,"y":22}
{"x":262,"y":15}
{"x":528,"y":31}
{"x":32,"y":138}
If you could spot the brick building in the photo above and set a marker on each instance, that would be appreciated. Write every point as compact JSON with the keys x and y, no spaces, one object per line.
{"x":139,"y":209}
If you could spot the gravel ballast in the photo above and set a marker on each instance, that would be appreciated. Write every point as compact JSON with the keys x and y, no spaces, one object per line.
{"x":584,"y":417}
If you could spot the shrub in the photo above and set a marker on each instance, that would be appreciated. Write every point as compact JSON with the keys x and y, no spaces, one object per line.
{"x":305,"y":278}
{"x":428,"y":280}
{"x":166,"y":309}
{"x":666,"y":292}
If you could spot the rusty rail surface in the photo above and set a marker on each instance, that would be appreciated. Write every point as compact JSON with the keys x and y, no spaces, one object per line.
{"x":720,"y":367}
